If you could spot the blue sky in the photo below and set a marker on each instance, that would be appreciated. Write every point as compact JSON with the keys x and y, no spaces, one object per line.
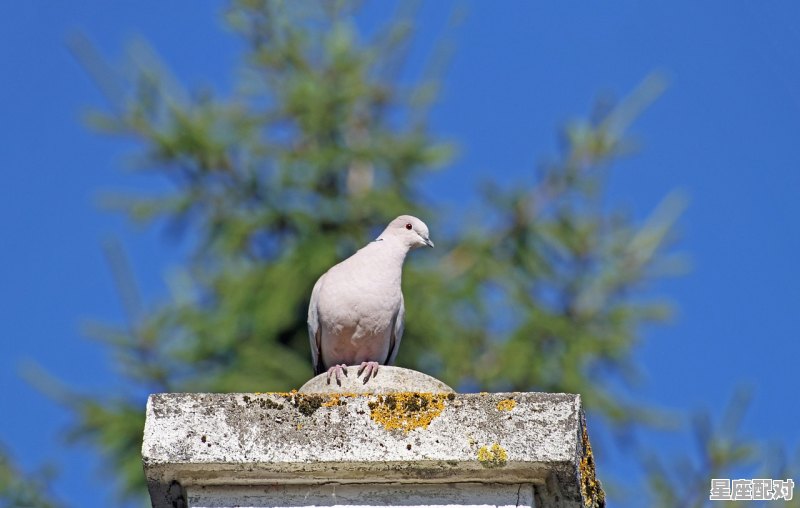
{"x":725,"y":133}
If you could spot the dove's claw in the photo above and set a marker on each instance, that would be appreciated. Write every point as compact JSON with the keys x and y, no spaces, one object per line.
{"x":337,"y":371}
{"x":369,"y":369}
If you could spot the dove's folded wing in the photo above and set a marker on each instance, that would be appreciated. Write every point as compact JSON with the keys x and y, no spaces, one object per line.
{"x":315,"y":330}
{"x":397,"y":332}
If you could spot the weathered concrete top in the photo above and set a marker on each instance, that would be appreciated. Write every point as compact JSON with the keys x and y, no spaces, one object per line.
{"x":388,"y":380}
{"x":201,"y":440}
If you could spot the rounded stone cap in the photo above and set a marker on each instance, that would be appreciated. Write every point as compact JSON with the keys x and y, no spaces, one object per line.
{"x":388,"y":380}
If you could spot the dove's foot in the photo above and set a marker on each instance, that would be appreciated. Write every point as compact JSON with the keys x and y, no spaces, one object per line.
{"x":369,"y":369}
{"x":336,"y":371}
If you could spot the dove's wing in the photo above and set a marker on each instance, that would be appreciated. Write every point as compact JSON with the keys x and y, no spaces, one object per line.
{"x":397,"y":332}
{"x":315,"y":330}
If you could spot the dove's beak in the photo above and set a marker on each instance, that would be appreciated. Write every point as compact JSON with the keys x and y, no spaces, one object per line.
{"x":428,"y":242}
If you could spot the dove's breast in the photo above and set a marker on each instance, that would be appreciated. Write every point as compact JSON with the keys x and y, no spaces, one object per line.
{"x":357,"y":306}
{"x":349,"y":300}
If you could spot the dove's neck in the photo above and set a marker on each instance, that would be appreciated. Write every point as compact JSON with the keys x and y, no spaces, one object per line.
{"x":388,"y":253}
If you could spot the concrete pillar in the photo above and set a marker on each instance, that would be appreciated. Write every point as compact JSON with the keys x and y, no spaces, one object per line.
{"x":386,"y":448}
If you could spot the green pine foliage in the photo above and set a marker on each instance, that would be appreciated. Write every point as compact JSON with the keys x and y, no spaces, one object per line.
{"x":18,"y":489}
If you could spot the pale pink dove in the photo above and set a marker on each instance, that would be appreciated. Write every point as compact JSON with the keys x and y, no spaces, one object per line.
{"x":356,"y":311}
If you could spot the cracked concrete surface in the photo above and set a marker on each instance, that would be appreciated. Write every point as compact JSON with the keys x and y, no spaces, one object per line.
{"x":393,"y":449}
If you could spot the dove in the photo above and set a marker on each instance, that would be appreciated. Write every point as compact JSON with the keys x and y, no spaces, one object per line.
{"x":356,"y":313}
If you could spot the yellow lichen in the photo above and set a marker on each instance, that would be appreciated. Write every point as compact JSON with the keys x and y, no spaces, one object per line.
{"x":336,"y":399}
{"x":406,"y":411}
{"x":492,"y":456}
{"x":308,"y":403}
{"x":506,"y":405}
{"x":285,"y":395}
{"x":592,"y":490}
{"x":332,"y":401}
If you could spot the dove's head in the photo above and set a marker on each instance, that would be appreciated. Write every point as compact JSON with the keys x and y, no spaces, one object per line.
{"x":409,"y":230}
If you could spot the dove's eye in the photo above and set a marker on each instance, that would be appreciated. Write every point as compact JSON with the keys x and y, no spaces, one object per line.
{"x":408,"y":226}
